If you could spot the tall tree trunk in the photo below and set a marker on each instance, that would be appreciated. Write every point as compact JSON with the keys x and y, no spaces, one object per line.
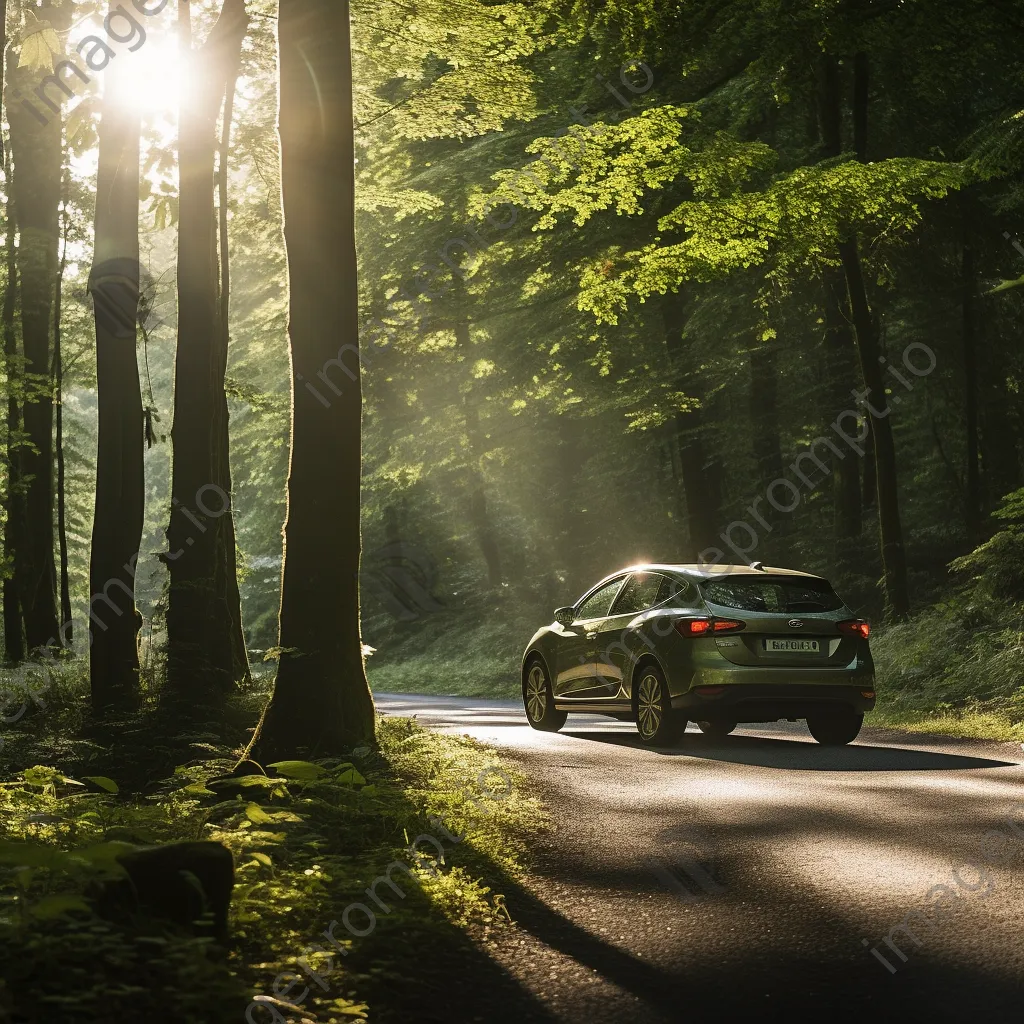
{"x":228,"y":564}
{"x":973,"y":475}
{"x":200,"y":624}
{"x":321,"y":700}
{"x":14,"y":632}
{"x":839,"y":347}
{"x":120,"y":471}
{"x":479,"y":516}
{"x":764,"y":413}
{"x":701,"y":473}
{"x":894,"y":559}
{"x":894,"y":562}
{"x":840,"y":376}
{"x":37,"y":157}
{"x":67,"y":629}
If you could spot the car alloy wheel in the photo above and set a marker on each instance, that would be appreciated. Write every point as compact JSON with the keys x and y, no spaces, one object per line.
{"x":539,"y":701}
{"x":656,"y":722}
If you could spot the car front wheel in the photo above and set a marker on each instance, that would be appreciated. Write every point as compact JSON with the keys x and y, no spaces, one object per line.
{"x":539,"y":700}
{"x":656,"y":722}
{"x":835,"y":730}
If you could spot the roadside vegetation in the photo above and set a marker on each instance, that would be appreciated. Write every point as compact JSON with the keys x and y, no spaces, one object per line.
{"x":307,"y":841}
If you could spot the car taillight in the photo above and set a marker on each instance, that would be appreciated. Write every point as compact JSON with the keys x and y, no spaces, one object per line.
{"x":728,"y":625}
{"x":855,"y":627}
{"x":702,"y":627}
{"x":693,"y":627}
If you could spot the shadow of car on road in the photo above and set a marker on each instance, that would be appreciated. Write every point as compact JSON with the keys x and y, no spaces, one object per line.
{"x":793,"y":755}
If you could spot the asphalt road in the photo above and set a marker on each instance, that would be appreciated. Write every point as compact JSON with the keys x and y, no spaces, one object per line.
{"x":755,"y":875}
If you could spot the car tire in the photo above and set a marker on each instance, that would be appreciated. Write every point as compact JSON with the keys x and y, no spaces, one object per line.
{"x":539,"y":699}
{"x":835,"y":730}
{"x":717,"y":730}
{"x":656,"y":722}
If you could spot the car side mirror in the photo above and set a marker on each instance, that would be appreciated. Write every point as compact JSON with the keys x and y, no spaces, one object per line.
{"x":565,"y":616}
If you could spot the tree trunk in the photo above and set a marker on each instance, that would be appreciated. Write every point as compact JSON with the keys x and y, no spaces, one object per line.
{"x":479,"y":516}
{"x":701,"y":473}
{"x":972,"y":476}
{"x":764,"y":413}
{"x":14,"y":633}
{"x":839,"y":346}
{"x":840,"y":376}
{"x":66,"y":625}
{"x":37,"y":157}
{"x":239,"y":653}
{"x":894,"y":565}
{"x":200,"y":623}
{"x":321,"y":703}
{"x":120,"y":473}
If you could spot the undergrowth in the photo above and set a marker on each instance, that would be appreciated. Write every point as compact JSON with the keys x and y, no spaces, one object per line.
{"x":307,"y":841}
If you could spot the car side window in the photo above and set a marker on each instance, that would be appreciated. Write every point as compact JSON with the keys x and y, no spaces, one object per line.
{"x":676,"y":592}
{"x":639,"y":593}
{"x":596,"y":606}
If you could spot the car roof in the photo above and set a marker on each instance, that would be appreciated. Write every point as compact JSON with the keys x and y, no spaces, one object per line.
{"x":709,"y":571}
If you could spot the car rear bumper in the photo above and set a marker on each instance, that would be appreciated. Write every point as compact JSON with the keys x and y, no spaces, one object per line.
{"x":768,"y":702}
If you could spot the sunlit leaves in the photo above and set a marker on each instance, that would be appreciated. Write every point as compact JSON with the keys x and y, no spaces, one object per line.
{"x":38,"y":44}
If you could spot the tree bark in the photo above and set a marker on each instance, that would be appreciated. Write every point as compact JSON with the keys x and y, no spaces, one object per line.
{"x":479,"y":515}
{"x":701,"y":473}
{"x":201,"y":624}
{"x":120,"y":472}
{"x":839,"y":346}
{"x":14,"y":631}
{"x":764,"y":413}
{"x":229,"y":564}
{"x":36,"y":186}
{"x":321,"y":703}
{"x":972,"y":476}
{"x":66,"y":624}
{"x":894,"y":564}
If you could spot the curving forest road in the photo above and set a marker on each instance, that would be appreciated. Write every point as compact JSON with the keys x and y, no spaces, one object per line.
{"x":755,"y":875}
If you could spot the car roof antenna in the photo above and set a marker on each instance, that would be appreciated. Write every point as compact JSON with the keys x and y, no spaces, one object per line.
{"x":757,"y":566}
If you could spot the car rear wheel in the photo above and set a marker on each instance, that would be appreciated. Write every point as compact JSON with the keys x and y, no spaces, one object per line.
{"x":656,"y":722}
{"x":835,"y":730}
{"x":717,"y":730}
{"x":539,"y":700}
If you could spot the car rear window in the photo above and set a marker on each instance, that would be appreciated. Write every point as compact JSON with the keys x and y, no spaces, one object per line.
{"x":772,"y":594}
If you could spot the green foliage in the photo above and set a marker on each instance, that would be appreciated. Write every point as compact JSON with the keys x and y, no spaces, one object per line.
{"x":307,"y":841}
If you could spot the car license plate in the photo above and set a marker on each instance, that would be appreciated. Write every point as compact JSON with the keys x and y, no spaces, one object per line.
{"x":792,"y":646}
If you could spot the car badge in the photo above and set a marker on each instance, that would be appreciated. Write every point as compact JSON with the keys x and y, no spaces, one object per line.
{"x":796,"y":623}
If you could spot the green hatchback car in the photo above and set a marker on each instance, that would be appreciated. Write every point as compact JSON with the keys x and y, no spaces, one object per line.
{"x":662,"y":645}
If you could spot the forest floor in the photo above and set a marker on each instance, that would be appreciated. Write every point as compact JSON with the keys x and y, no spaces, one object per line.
{"x":446,"y":818}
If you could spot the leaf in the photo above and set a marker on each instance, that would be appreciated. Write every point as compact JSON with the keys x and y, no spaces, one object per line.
{"x":41,"y":775}
{"x":256,"y":780}
{"x":50,"y":907}
{"x":263,"y":859}
{"x":103,"y":782}
{"x":39,"y":44}
{"x":352,"y":778}
{"x":257,"y":815}
{"x":34,"y":855}
{"x":305,"y":771}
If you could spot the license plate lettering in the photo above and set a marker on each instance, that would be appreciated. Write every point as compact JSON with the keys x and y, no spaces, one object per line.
{"x":792,"y":646}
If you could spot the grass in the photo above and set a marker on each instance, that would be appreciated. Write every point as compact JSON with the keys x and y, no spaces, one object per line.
{"x":468,"y":652}
{"x":306,"y":847}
